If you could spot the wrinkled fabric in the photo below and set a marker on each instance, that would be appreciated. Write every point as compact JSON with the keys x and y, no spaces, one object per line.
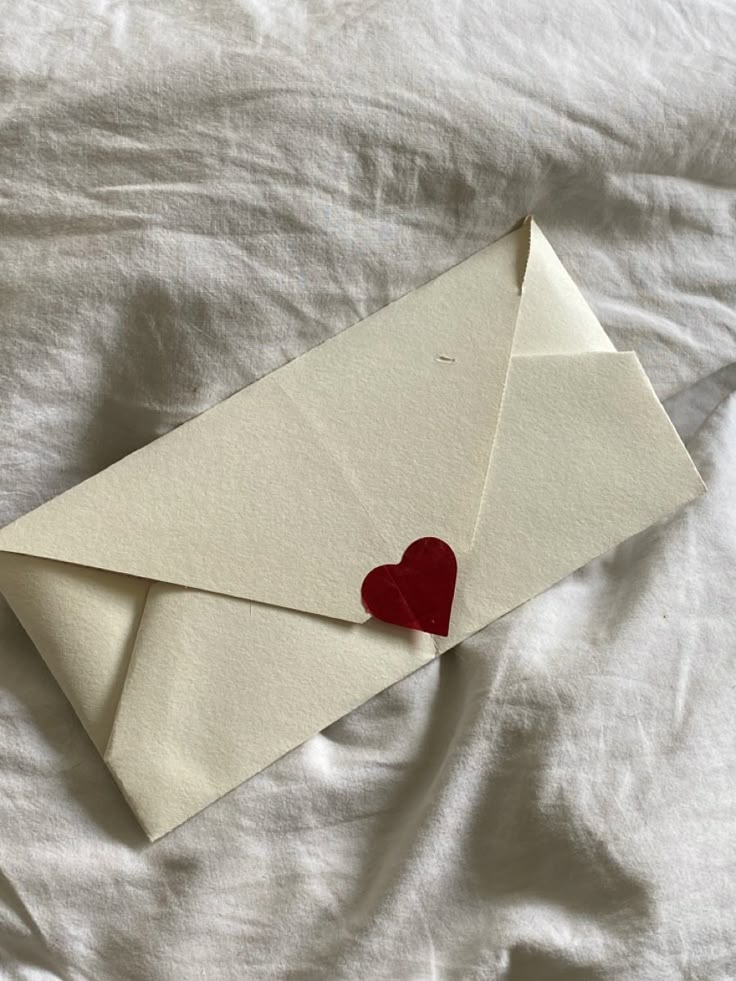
{"x":193,"y":192}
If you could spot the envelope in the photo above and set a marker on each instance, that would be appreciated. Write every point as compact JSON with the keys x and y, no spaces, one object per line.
{"x":199,"y":602}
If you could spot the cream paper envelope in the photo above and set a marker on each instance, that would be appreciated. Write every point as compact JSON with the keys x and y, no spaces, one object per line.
{"x":199,"y":601}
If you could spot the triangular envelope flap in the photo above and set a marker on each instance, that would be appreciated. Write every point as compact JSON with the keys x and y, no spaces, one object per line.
{"x":585,"y":457}
{"x":554,"y":317}
{"x":83,"y":622}
{"x":219,"y":688}
{"x":290,"y":491}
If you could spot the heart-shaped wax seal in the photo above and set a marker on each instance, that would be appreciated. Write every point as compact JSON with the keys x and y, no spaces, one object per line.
{"x":417,"y":593}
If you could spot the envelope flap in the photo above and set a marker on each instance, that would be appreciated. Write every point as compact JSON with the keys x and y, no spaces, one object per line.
{"x":554,"y":317}
{"x":290,"y":491}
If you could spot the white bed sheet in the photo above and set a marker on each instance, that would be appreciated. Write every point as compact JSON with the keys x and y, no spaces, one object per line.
{"x":193,"y":192}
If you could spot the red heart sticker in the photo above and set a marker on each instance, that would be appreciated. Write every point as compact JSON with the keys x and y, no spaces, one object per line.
{"x":418,"y":592}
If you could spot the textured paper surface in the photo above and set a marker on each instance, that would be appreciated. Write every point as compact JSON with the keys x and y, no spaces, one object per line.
{"x":218,"y":688}
{"x":84,"y":622}
{"x":585,"y":457}
{"x":580,"y":456}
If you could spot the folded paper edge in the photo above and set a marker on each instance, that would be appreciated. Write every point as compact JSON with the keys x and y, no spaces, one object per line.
{"x":151,"y":822}
{"x":697,"y":490}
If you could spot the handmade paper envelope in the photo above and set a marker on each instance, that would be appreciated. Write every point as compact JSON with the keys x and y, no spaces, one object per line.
{"x":200,"y":601}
